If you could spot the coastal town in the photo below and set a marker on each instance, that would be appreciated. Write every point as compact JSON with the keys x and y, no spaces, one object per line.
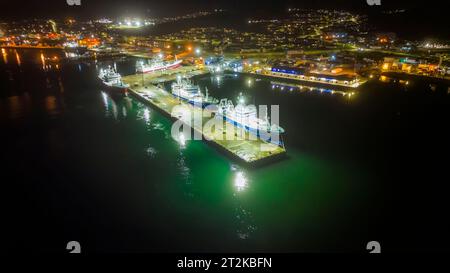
{"x":322,"y":45}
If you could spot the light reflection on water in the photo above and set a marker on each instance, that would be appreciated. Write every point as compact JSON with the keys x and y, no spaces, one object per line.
{"x":18,"y":58}
{"x":151,"y":152}
{"x":147,"y":116}
{"x":48,"y":60}
{"x":51,"y":105}
{"x":16,"y":107}
{"x":240,"y":181}
{"x":5,"y":56}
{"x":185,"y":174}
{"x":105,"y":101}
{"x":245,"y":224}
{"x":43,"y":61}
{"x":145,"y":113}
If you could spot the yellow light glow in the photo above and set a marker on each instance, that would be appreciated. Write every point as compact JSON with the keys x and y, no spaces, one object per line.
{"x":147,"y":115}
{"x":43,"y":60}
{"x":18,"y":58}
{"x":5,"y":56}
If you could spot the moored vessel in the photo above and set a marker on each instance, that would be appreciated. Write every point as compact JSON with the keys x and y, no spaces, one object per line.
{"x":246,"y":116}
{"x":156,"y":65}
{"x":113,"y":80}
{"x":187,"y":91}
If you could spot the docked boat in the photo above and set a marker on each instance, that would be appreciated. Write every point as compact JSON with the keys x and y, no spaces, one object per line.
{"x":187,"y":91}
{"x":156,"y":65}
{"x":245,"y":116}
{"x":112,"y":80}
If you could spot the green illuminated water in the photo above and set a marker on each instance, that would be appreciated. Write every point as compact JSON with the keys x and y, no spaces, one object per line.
{"x":107,"y":173}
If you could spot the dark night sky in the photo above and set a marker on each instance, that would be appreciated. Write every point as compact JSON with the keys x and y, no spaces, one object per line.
{"x":423,"y":17}
{"x":99,"y":8}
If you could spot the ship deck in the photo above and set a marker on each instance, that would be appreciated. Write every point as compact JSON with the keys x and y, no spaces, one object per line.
{"x":238,"y":144}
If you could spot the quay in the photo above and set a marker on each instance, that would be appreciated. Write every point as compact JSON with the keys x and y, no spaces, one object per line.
{"x":162,"y":76}
{"x":311,"y":79}
{"x":240,"y":146}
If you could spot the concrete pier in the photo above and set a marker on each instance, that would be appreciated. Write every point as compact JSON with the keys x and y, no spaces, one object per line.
{"x":242,"y":145}
{"x":306,"y":79}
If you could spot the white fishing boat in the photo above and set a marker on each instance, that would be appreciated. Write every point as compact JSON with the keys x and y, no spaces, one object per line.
{"x":245,"y":116}
{"x":187,"y":91}
{"x":112,"y":80}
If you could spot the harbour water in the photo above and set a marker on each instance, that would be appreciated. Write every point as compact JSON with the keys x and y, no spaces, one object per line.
{"x":106,"y":172}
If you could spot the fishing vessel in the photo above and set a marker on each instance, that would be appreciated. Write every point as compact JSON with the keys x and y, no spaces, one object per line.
{"x":187,"y":91}
{"x":112,"y":80}
{"x":245,"y":116}
{"x":156,"y":65}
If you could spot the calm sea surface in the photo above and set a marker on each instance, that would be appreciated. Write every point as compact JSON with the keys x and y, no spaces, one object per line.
{"x":79,"y":165}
